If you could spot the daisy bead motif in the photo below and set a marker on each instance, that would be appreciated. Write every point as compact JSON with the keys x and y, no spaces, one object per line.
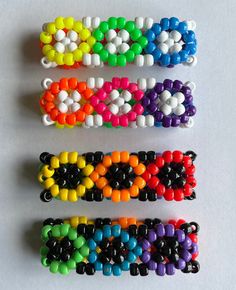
{"x":169,"y":104}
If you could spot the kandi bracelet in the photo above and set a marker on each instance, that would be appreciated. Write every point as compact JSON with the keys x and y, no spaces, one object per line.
{"x":113,"y":246}
{"x":70,"y":43}
{"x":117,"y":103}
{"x":118,"y":176}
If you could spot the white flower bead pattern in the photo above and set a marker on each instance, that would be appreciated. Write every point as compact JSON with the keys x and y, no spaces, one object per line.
{"x":169,"y":42}
{"x":66,"y":42}
{"x":169,"y":104}
{"x":68,"y":102}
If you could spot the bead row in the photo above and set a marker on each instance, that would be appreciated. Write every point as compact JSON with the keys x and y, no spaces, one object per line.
{"x":91,"y":42}
{"x":118,"y":176}
{"x":114,"y":246}
{"x":117,"y":103}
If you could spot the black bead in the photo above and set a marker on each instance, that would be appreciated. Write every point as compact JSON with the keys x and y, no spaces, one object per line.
{"x":89,"y":269}
{"x":98,"y":223}
{"x":118,"y":259}
{"x":66,"y":243}
{"x":89,"y":157}
{"x":172,"y":243}
{"x":174,"y":257}
{"x":152,"y":196}
{"x":49,"y":221}
{"x":143,"y":269}
{"x":90,"y":230}
{"x":166,"y":181}
{"x":127,"y":169}
{"x":159,"y":243}
{"x":143,"y":195}
{"x":116,"y":243}
{"x":46,"y":196}
{"x":104,"y":244}
{"x":89,"y":195}
{"x":156,"y":221}
{"x":104,"y":258}
{"x":179,"y":168}
{"x":186,"y":227}
{"x":107,"y":221}
{"x":195,"y":266}
{"x":149,"y":223}
{"x":166,"y":169}
{"x":133,"y":230}
{"x":113,"y":168}
{"x":52,"y":256}
{"x":127,"y":183}
{"x":191,"y":154}
{"x":58,"y":221}
{"x":119,"y":176}
{"x":166,"y":251}
{"x":188,"y":268}
{"x":65,"y":256}
{"x":45,"y":157}
{"x":51,"y":243}
{"x":80,"y":268}
{"x":81,"y":229}
{"x":134,"y":270}
{"x":142,"y":155}
{"x":61,"y":182}
{"x":98,"y":196}
{"x":62,"y":170}
{"x":114,"y":184}
{"x":98,"y":156}
{"x":151,"y":155}
{"x":157,"y":257}
{"x":143,"y":230}
{"x":180,"y":182}
{"x":173,"y":175}
{"x":195,"y":226}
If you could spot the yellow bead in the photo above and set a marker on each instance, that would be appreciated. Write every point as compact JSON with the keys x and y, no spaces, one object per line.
{"x":54,"y":162}
{"x":90,"y":222}
{"x":46,"y":48}
{"x":88,"y":169}
{"x":66,"y":222}
{"x":59,"y":58}
{"x":51,"y":54}
{"x":80,"y":190}
{"x":72,"y":157}
{"x":78,"y":26}
{"x":54,"y":190}
{"x":69,"y":59}
{"x":74,"y":221}
{"x":72,"y":195}
{"x":63,"y":157}
{"x":98,"y":250}
{"x":51,"y":28}
{"x":88,"y":183}
{"x":48,"y":183}
{"x":85,"y":48}
{"x":59,"y":126}
{"x":91,"y":41}
{"x":81,"y":163}
{"x":59,"y":22}
{"x":40,"y":177}
{"x":78,"y":54}
{"x":84,"y":34}
{"x":83,"y":220}
{"x":47,"y":172}
{"x":63,"y":193}
{"x":69,"y":22}
{"x":45,"y":37}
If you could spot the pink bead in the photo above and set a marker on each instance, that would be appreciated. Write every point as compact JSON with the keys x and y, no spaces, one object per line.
{"x":138,"y":108}
{"x":94,"y":101}
{"x":132,"y":116}
{"x":100,"y":108}
{"x":107,"y":116}
{"x":107,"y":87}
{"x":138,"y":95}
{"x":115,"y":83}
{"x":133,"y":87}
{"x":115,"y":120}
{"x":124,"y":121}
{"x":124,"y":83}
{"x":101,"y":94}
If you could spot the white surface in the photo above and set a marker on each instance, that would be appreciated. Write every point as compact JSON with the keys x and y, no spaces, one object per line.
{"x":23,"y":138}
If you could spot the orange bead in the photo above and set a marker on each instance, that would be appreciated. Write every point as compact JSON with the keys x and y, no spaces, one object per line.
{"x":140,"y":182}
{"x":107,"y":162}
{"x":123,"y":221}
{"x":134,"y":190}
{"x":124,"y":195}
{"x":64,"y":84}
{"x":101,"y":182}
{"x":107,"y":191}
{"x":124,"y":156}
{"x":53,"y":114}
{"x":115,"y":196}
{"x":72,"y":83}
{"x":133,"y":160}
{"x":49,"y":106}
{"x":115,"y":156}
{"x":140,"y":169}
{"x":132,"y":221}
{"x":114,"y":222}
{"x":48,"y":96}
{"x":88,"y":93}
{"x":101,"y":169}
{"x":80,"y":116}
{"x":54,"y":88}
{"x":94,"y":176}
{"x":61,"y":119}
{"x":88,"y":109}
{"x":81,"y":87}
{"x":71,"y":119}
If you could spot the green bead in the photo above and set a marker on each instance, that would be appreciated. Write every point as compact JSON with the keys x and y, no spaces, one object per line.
{"x":104,"y":26}
{"x":129,"y":55}
{"x":121,"y":60}
{"x":143,"y":41}
{"x":84,"y":251}
{"x":45,"y":230}
{"x":121,"y":22}
{"x":79,"y":242}
{"x":71,"y":264}
{"x":63,"y":269}
{"x":44,"y":261}
{"x":43,"y":251}
{"x":98,"y":34}
{"x":136,"y":47}
{"x":54,"y":267}
{"x":65,"y":229}
{"x":97,"y":47}
{"x":56,"y":233}
{"x":72,"y":234}
{"x":104,"y":55}
{"x":77,"y":257}
{"x":112,"y":59}
{"x":135,"y":34}
{"x":108,"y":125}
{"x":132,"y":102}
{"x":129,"y":26}
{"x":112,"y":21}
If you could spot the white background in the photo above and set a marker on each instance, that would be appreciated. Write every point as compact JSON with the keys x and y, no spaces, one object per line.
{"x":23,"y":138}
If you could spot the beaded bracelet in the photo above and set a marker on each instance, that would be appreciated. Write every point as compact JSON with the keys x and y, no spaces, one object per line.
{"x":69,"y":43}
{"x":117,"y":103}
{"x":118,"y":176}
{"x":113,"y":246}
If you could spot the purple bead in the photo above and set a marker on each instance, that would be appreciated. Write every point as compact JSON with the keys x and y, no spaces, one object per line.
{"x":170,"y":230}
{"x":152,"y":265}
{"x":191,"y":110}
{"x":152,"y":108}
{"x":159,"y":88}
{"x":170,"y":269}
{"x":180,"y":264}
{"x":160,"y":230}
{"x":161,"y":270}
{"x":152,"y":236}
{"x":175,"y":122}
{"x":158,"y":116}
{"x":188,"y":99}
{"x":145,"y":244}
{"x":187,"y":243}
{"x":145,"y":101}
{"x":146,"y":256}
{"x":177,"y":85}
{"x":168,"y":84}
{"x":194,"y":248}
{"x":152,"y":95}
{"x":186,"y":90}
{"x":186,"y":255}
{"x":166,"y":122}
{"x":180,"y":235}
{"x":184,"y":119}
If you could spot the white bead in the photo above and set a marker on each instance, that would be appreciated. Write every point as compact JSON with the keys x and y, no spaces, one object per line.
{"x":89,"y":121}
{"x":139,"y":60}
{"x":166,"y":109}
{"x":91,"y":83}
{"x":139,"y":21}
{"x":149,"y":121}
{"x":117,"y":41}
{"x":119,"y":102}
{"x":53,"y":64}
{"x":59,"y":35}
{"x":123,"y":48}
{"x":44,"y":26}
{"x":148,"y":60}
{"x":114,"y":109}
{"x":191,"y":85}
{"x":45,"y":62}
{"x":169,"y":42}
{"x":72,"y":46}
{"x":98,"y":120}
{"x":142,"y":84}
{"x":87,"y":59}
{"x":179,"y":110}
{"x":59,"y":47}
{"x":111,"y":48}
{"x":99,"y":82}
{"x":114,"y":94}
{"x":75,"y":107}
{"x":141,"y":121}
{"x":65,"y":41}
{"x":68,"y":102}
{"x":73,"y":36}
{"x":75,"y":95}
{"x":87,"y":21}
{"x":133,"y":124}
{"x":126,"y":108}
{"x":148,"y":22}
{"x":175,"y":48}
{"x":165,"y":95}
{"x":180,"y":97}
{"x":62,"y":108}
{"x":175,"y":35}
{"x":126,"y":95}
{"x":95,"y":59}
{"x":45,"y":83}
{"x":124,"y":34}
{"x":163,"y":36}
{"x":62,"y":96}
{"x":110,"y":35}
{"x":46,"y":120}
{"x":172,"y":102}
{"x":163,"y":47}
{"x":151,"y":82}
{"x":191,"y":24}
{"x":95,"y":22}
{"x":191,"y":61}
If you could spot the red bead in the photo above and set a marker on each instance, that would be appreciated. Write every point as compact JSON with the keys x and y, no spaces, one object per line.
{"x":153,"y":182}
{"x":168,"y":156}
{"x":193,"y":237}
{"x":152,"y":168}
{"x":179,"y":223}
{"x":160,"y":189}
{"x":146,"y":175}
{"x":194,"y":256}
{"x":172,"y":222}
{"x":160,"y":161}
{"x":192,"y":181}
{"x":188,"y":190}
{"x":178,"y":194}
{"x":190,"y":170}
{"x":169,"y":194}
{"x":178,"y":156}
{"x":187,"y":161}
{"x":54,"y":88}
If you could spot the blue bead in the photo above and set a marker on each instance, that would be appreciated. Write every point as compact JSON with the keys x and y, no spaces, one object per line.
{"x":138,"y":251}
{"x":92,"y":257}
{"x":175,"y":58}
{"x":107,"y":269}
{"x":158,"y":124}
{"x":92,"y":244}
{"x":174,"y":23}
{"x":150,"y":47}
{"x":107,"y":231}
{"x":131,"y":257}
{"x":115,"y":230}
{"x":116,"y":270}
{"x":98,"y":235}
{"x":165,"y":60}
{"x":124,"y":236}
{"x":191,"y":48}
{"x":157,"y":54}
{"x":165,"y":23}
{"x":132,"y":243}
{"x":189,"y":37}
{"x":150,"y":35}
{"x":125,"y":265}
{"x":182,"y":28}
{"x":98,"y":266}
{"x":156,"y":28}
{"x":183,"y":55}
